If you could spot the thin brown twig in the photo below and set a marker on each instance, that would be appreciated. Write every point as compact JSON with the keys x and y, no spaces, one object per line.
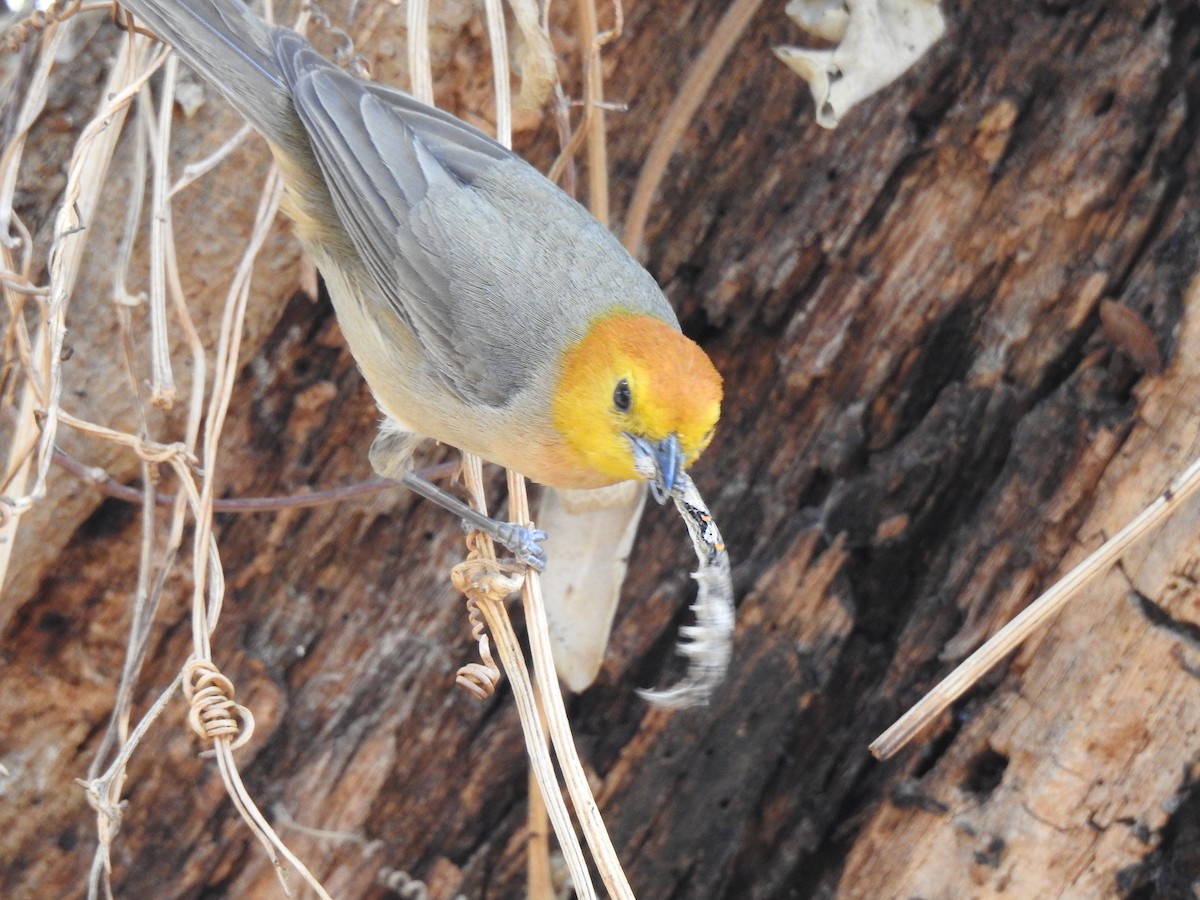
{"x":106,"y":484}
{"x":593,"y":109}
{"x":567,"y":154}
{"x":593,"y":97}
{"x":683,"y":108}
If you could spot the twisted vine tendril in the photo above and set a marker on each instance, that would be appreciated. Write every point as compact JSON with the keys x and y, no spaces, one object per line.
{"x":482,"y":579}
{"x":214,"y":714}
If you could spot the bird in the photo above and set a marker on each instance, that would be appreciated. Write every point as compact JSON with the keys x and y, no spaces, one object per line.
{"x":486,"y":308}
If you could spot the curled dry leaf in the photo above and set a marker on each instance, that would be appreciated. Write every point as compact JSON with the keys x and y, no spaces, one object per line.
{"x":593,"y":534}
{"x":534,"y":57}
{"x":878,"y":41}
{"x":825,"y":19}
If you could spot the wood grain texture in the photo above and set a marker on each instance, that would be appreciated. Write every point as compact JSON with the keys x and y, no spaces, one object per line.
{"x":925,"y":423}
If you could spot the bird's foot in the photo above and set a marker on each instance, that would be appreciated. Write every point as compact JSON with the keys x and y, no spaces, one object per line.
{"x":525,"y":544}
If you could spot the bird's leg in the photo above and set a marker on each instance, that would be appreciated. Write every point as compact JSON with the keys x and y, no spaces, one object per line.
{"x":524,"y":543}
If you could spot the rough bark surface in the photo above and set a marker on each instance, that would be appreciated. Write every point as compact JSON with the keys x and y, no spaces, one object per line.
{"x":926,"y":422}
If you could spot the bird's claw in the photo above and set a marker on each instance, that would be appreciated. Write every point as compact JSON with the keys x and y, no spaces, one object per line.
{"x":525,"y":544}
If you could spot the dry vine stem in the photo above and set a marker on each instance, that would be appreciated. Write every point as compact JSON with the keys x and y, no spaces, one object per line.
{"x":483,"y":569}
{"x":683,"y":108}
{"x":205,"y":615}
{"x":1037,"y":614}
{"x":33,"y":441}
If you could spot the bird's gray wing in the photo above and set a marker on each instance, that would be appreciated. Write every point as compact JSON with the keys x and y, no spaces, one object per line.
{"x":409,"y":184}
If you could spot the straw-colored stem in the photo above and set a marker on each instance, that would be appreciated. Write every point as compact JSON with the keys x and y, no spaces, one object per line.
{"x":420,"y":71}
{"x":87,"y":173}
{"x":86,"y":176}
{"x":162,"y":385}
{"x":580,"y":792}
{"x":541,"y":881}
{"x":593,"y":99}
{"x":528,"y":706}
{"x":1033,"y":617}
{"x":513,"y":660}
{"x":498,"y":38}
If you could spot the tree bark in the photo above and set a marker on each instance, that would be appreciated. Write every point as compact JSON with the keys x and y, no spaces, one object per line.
{"x":926,"y":422}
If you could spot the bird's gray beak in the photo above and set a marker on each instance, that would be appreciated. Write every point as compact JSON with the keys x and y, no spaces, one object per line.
{"x":660,"y":463}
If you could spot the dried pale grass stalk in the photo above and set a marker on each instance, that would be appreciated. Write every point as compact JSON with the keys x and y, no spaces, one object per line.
{"x":580,"y":792}
{"x":540,"y":876}
{"x":122,"y":298}
{"x":420,"y":69}
{"x":1034,"y":616}
{"x":498,"y":38}
{"x":491,"y":606}
{"x":162,"y":384}
{"x":14,"y":479}
{"x":85,"y":179}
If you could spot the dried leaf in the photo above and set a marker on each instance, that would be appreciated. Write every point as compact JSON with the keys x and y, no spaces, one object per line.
{"x":534,"y":57}
{"x":593,"y":532}
{"x":1130,"y":334}
{"x":882,"y":39}
{"x":821,"y":18}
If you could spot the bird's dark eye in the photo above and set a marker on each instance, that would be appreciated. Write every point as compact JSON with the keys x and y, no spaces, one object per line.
{"x":622,"y":396}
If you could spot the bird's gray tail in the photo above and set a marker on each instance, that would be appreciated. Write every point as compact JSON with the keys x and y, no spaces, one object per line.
{"x":231,"y":47}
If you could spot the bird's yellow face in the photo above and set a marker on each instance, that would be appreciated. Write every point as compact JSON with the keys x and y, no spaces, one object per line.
{"x":635,"y":387}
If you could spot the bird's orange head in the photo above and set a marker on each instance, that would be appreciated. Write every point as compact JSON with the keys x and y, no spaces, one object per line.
{"x":635,"y":397}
